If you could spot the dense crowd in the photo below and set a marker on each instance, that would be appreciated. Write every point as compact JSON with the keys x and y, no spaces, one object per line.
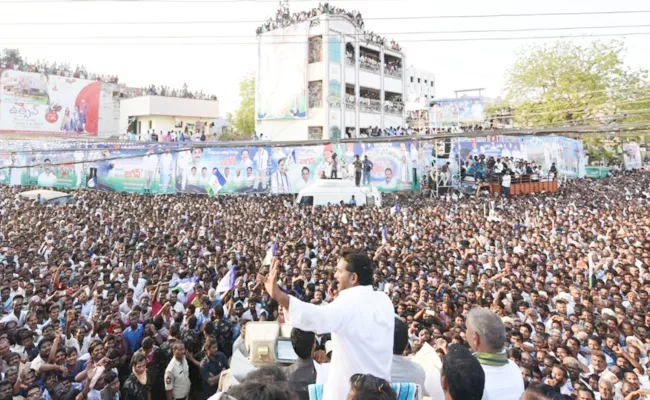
{"x":284,"y":18}
{"x":184,"y":92}
{"x":13,"y":60}
{"x":116,"y":293}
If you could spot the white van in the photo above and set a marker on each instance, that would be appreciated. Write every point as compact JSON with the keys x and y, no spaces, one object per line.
{"x":333,"y":191}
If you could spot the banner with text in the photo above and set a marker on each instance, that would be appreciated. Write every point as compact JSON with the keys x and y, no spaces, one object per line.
{"x":40,"y":103}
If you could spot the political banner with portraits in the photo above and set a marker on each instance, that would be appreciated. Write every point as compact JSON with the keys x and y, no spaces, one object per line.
{"x":567,"y":154}
{"x":136,"y":171}
{"x":44,"y":169}
{"x":222,"y":170}
{"x":166,"y":168}
{"x":11,"y":168}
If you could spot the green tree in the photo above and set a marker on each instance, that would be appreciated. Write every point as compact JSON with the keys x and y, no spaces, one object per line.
{"x":243,"y":121}
{"x":11,"y":56}
{"x":564,"y":84}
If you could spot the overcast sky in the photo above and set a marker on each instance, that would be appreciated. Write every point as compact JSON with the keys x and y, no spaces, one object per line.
{"x":216,"y":65}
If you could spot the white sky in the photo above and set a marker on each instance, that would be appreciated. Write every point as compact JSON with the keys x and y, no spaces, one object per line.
{"x":217,"y":68}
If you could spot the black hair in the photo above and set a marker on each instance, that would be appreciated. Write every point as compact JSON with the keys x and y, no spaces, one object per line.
{"x":302,"y":342}
{"x":147,"y":343}
{"x":400,"y":337}
{"x":358,"y":263}
{"x":218,"y":311}
{"x":369,"y":387}
{"x":261,"y":390}
{"x":463,"y":373}
{"x":175,"y":330}
{"x":542,"y":392}
{"x":137,"y":359}
{"x":268,"y":372}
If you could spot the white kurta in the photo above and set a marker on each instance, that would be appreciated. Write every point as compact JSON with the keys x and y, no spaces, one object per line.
{"x":361,"y":322}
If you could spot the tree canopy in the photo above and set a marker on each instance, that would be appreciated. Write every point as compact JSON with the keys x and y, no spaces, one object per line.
{"x":243,"y":121}
{"x":565,"y":84}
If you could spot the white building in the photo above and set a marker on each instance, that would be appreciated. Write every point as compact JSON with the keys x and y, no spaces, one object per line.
{"x":163,"y":114}
{"x":350,"y":82}
{"x":420,"y":86}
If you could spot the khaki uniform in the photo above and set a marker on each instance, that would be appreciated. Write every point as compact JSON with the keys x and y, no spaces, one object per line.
{"x":177,"y":378}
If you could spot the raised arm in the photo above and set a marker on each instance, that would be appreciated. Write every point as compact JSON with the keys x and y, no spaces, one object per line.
{"x":306,"y":316}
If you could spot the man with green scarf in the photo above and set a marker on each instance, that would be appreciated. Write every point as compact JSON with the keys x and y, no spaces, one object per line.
{"x":486,"y":335}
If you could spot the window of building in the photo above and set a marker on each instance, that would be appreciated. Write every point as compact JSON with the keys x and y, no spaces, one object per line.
{"x":418,"y":80}
{"x":411,"y":79}
{"x":150,"y":124}
{"x":315,"y":49}
{"x":315,"y":94}
{"x":431,"y":83}
{"x":425,"y":82}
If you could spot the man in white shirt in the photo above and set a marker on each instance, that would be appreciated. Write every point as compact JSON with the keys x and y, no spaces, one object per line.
{"x":279,"y":180}
{"x":486,"y":335}
{"x":18,"y":315}
{"x":166,"y":164}
{"x":360,"y":320}
{"x":149,"y":165}
{"x":47,"y":178}
{"x":404,"y":370}
{"x":505,"y":184}
{"x":261,"y":159}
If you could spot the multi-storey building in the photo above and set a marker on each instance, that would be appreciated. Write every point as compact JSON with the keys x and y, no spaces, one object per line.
{"x":335,"y":81}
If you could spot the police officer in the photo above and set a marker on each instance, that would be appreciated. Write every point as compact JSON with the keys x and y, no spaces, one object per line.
{"x":177,"y":374}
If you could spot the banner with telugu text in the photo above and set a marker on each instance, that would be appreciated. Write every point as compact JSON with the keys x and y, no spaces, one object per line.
{"x":39,"y":103}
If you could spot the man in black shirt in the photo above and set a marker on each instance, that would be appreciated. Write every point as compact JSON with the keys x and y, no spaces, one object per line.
{"x":212,"y":365}
{"x":302,"y":373}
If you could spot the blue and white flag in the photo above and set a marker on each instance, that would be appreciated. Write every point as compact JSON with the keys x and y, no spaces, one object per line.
{"x":217,"y":181}
{"x":270,"y":253}
{"x":227,"y":283}
{"x":384,"y":235}
{"x":395,"y":210}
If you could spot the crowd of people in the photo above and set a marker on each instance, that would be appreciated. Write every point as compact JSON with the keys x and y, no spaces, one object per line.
{"x":315,"y":49}
{"x":315,"y":94}
{"x":184,"y":92}
{"x":17,"y":63}
{"x":284,"y":18}
{"x":115,"y":294}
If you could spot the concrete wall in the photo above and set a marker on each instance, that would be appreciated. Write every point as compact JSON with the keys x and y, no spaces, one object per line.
{"x":164,"y":123}
{"x":419,"y":83}
{"x":156,"y":107}
{"x":291,"y":129}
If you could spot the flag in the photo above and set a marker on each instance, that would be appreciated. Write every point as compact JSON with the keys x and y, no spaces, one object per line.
{"x":344,"y":219}
{"x":185,"y":286}
{"x":384,"y":235}
{"x":395,"y":210}
{"x":372,"y":229}
{"x":217,"y":181}
{"x":227,"y":283}
{"x":270,"y":253}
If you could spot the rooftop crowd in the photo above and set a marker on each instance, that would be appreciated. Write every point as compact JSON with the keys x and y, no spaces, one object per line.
{"x":15,"y":62}
{"x":284,"y":18}
{"x":184,"y":92}
{"x":115,"y":295}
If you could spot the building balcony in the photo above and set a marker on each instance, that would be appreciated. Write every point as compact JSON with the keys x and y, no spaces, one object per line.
{"x":393,"y":72}
{"x":370,"y":105}
{"x":350,"y":102}
{"x":393,"y":108}
{"x":370,"y":66}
